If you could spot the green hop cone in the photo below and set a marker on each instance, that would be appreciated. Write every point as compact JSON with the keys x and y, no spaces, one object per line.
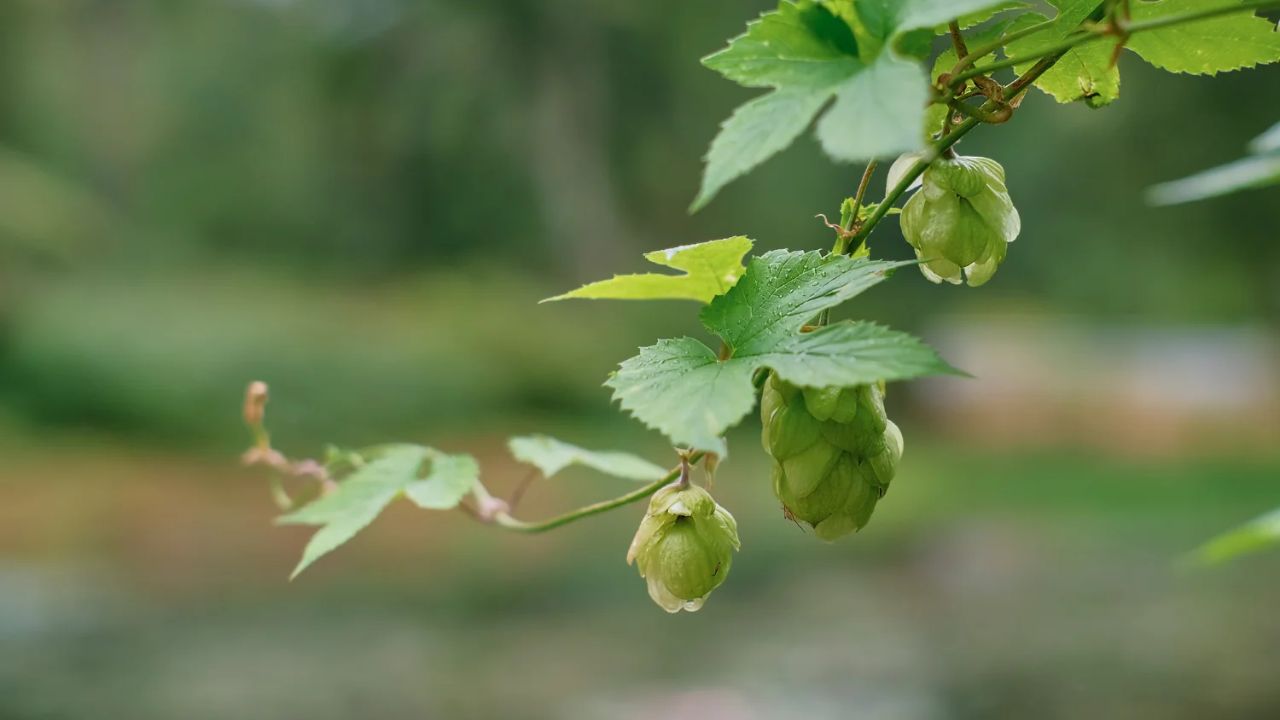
{"x":962,"y":220}
{"x":834,"y":453}
{"x":684,"y":547}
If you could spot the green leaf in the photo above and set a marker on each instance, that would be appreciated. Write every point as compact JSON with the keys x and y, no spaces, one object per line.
{"x":754,"y":133}
{"x":977,"y":18}
{"x":1204,"y":47}
{"x":1267,"y":141}
{"x":1084,"y":72}
{"x":683,"y":389}
{"x":809,"y":54}
{"x":551,"y":456}
{"x":711,"y":268}
{"x":800,"y":45}
{"x":1259,"y":534}
{"x":877,"y":112}
{"x":1245,"y":174}
{"x":450,"y":479}
{"x":890,"y":18}
{"x":360,"y":497}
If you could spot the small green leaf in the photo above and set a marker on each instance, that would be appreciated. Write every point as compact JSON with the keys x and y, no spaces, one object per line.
{"x":683,"y":389}
{"x":362,"y":495}
{"x":800,"y":45}
{"x":1204,"y":47}
{"x":450,"y":479}
{"x":711,"y":268}
{"x":551,"y":456}
{"x":758,"y":130}
{"x":1259,"y":534}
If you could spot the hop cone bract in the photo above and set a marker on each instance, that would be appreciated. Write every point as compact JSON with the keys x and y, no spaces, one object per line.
{"x":962,"y":220}
{"x":834,"y":453}
{"x":684,"y":547}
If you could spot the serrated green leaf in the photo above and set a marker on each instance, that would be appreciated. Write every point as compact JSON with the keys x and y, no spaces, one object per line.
{"x":1248,"y":173}
{"x":1204,"y":47}
{"x":755,"y":132}
{"x":784,"y":290}
{"x":683,"y":389}
{"x":361,"y":496}
{"x":1259,"y":534}
{"x":710,"y":268}
{"x":852,"y":353}
{"x":878,"y":112}
{"x":1084,"y":72}
{"x":551,"y":456}
{"x":801,"y":44}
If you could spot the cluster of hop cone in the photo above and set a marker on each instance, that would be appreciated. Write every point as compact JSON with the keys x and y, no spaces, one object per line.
{"x":834,"y":454}
{"x":834,"y":451}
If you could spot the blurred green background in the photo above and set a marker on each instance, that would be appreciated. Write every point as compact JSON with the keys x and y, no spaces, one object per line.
{"x":361,"y":203}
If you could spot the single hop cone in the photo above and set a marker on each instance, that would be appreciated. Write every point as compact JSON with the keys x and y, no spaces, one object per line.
{"x":834,"y":453}
{"x":961,"y":221}
{"x":684,"y":547}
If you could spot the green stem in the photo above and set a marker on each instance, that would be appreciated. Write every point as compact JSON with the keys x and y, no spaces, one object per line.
{"x":974,"y":56}
{"x":1088,"y":36}
{"x":945,"y":142}
{"x":504,"y":520}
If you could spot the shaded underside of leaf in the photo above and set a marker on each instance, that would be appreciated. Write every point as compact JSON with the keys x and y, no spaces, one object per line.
{"x":1083,"y":72}
{"x":878,"y":112}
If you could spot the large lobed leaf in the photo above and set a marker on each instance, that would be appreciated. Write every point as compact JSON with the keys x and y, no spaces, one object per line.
{"x":811,"y":52}
{"x":710,"y":268}
{"x":688,"y":392}
{"x":360,"y":497}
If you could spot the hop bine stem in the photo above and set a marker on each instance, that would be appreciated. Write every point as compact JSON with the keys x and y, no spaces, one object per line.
{"x":502,"y":518}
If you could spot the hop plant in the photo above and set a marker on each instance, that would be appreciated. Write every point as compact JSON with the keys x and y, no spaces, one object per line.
{"x":834,"y":453}
{"x":962,"y":220}
{"x":684,"y":546}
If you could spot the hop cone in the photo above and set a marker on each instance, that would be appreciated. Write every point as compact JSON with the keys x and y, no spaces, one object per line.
{"x":962,"y":220}
{"x":834,"y":453}
{"x":684,"y":547}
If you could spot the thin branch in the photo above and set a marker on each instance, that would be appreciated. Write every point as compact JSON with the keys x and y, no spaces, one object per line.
{"x":957,"y":39}
{"x":945,"y":142}
{"x":1123,"y":30}
{"x":504,"y":520}
{"x":861,"y":194}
